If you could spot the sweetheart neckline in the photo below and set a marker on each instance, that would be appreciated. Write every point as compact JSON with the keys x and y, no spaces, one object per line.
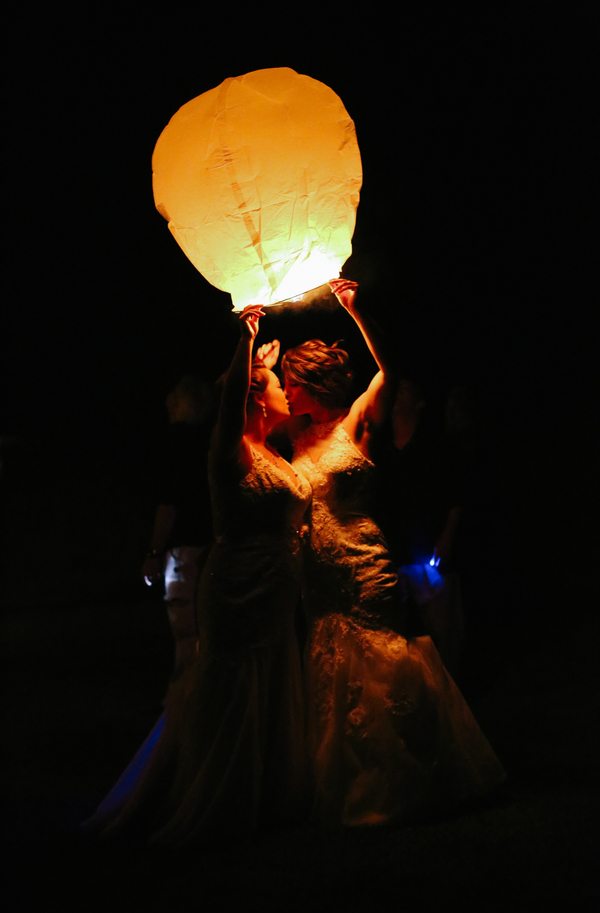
{"x":297,"y":480}
{"x":337,"y":424}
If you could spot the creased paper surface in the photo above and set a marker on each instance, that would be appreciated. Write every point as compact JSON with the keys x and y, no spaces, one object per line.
{"x":259,"y":180}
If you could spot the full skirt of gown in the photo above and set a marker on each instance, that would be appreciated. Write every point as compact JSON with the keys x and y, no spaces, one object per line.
{"x":390,"y":736}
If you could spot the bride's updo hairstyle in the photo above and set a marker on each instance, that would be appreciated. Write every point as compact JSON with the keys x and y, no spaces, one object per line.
{"x":259,"y":379}
{"x":322,"y":370}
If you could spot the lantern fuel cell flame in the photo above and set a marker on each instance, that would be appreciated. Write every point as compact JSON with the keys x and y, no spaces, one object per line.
{"x":260,"y":180}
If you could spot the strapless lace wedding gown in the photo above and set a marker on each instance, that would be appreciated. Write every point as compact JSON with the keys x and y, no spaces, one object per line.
{"x":229,"y":752}
{"x":390,"y":735}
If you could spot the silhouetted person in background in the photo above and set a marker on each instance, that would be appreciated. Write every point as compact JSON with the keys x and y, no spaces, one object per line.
{"x":182,"y":532}
{"x":419,"y":503}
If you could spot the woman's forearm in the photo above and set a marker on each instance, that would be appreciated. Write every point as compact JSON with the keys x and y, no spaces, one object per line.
{"x":345,"y":291}
{"x":232,"y":410}
{"x":374,"y":339}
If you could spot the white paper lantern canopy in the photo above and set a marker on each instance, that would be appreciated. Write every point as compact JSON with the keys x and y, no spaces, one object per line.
{"x":259,"y":180}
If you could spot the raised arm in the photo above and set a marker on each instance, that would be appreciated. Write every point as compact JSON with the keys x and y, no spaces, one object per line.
{"x":231,"y":423}
{"x":345,"y":291}
{"x":373,"y":405}
{"x":269,"y":353}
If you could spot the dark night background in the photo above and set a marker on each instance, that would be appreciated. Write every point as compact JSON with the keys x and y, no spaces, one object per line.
{"x":473,"y":248}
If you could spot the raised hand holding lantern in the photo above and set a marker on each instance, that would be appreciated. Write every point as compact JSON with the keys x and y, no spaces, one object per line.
{"x":259,"y":180}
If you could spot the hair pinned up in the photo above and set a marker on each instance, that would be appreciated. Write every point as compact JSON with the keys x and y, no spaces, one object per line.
{"x":259,"y":379}
{"x":322,"y":369}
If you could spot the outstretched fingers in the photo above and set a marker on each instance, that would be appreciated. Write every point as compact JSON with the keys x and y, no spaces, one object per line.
{"x":344,"y":290}
{"x":249,"y":319}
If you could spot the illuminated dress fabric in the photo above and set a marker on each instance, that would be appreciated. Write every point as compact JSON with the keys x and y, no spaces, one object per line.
{"x":390,"y":735}
{"x":231,"y":752}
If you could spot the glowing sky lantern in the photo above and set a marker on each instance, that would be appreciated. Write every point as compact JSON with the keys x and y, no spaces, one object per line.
{"x":259,"y":180}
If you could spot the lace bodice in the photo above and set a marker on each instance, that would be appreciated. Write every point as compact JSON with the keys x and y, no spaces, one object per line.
{"x":265,"y":503}
{"x":250,"y":586}
{"x":341,"y":476}
{"x":390,"y":736}
{"x":349,"y":570}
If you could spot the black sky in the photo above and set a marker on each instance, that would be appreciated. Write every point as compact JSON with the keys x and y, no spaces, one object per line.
{"x":473,"y":235}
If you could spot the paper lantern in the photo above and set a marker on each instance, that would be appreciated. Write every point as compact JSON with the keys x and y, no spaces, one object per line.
{"x":259,"y":180}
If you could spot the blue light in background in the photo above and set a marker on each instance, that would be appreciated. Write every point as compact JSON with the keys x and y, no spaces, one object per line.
{"x":424,"y":575}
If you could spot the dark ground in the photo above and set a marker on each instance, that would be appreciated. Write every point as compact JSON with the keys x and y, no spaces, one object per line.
{"x":73,"y":724}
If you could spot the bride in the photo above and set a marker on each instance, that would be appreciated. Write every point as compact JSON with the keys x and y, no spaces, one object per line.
{"x":390,"y":735}
{"x":228,"y":754}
